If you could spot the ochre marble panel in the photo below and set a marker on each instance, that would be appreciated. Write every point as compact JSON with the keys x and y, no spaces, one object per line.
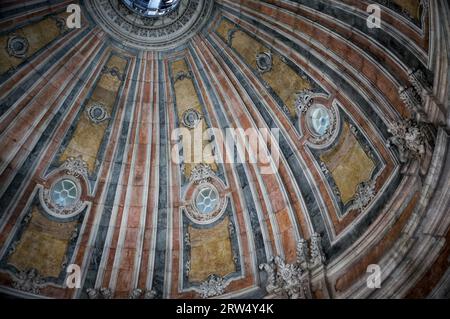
{"x":38,"y":35}
{"x":412,"y":7}
{"x":349,"y":164}
{"x":211,"y":252}
{"x":285,"y":81}
{"x":187,"y":98}
{"x":88,"y":136}
{"x":43,"y":245}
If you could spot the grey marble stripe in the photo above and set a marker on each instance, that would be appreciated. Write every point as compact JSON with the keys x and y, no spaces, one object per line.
{"x":102,"y":232}
{"x":163,"y":202}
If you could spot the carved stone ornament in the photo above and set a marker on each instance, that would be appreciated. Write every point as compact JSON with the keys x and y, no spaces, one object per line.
{"x":76,"y":166}
{"x":413,"y":102}
{"x":102,"y":293}
{"x":264,"y":62}
{"x":139,"y":293}
{"x":150,"y":294}
{"x":302,"y":251}
{"x":182,"y":75}
{"x":410,"y":139}
{"x":61,"y":24}
{"x":17,"y":46}
{"x":365,"y":193}
{"x":304,"y":101}
{"x":213,"y":286}
{"x":419,"y":82}
{"x":201,"y":173}
{"x":113,"y":71}
{"x":292,"y":281}
{"x":97,"y":113}
{"x":317,"y":255}
{"x":191,"y":118}
{"x":28,"y":281}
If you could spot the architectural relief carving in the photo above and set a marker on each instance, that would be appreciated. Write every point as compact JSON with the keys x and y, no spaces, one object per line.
{"x":413,"y":102}
{"x":292,"y":281}
{"x":304,"y":101}
{"x":75,"y":166}
{"x":61,"y":24}
{"x":191,"y":118}
{"x":419,"y":82}
{"x":17,"y":46}
{"x":147,"y":32}
{"x":410,"y":139}
{"x":113,"y":71}
{"x":97,"y":113}
{"x":102,"y":293}
{"x":201,"y":173}
{"x":136,"y":293}
{"x":302,"y":251}
{"x":365,"y":193}
{"x":213,"y":286}
{"x":139,"y":293}
{"x":28,"y":281}
{"x":264,"y":62}
{"x":150,"y":294}
{"x":429,"y":107}
{"x":182,"y":75}
{"x":317,"y":255}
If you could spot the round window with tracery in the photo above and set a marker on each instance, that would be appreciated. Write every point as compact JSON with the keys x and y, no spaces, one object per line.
{"x":207,"y":200}
{"x":64,"y":193}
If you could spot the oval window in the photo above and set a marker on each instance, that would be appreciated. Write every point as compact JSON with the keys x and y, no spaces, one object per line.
{"x":319,"y":120}
{"x":207,"y":200}
{"x":64,"y":193}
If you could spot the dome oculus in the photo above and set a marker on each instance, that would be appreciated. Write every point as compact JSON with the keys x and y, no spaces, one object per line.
{"x":152,"y":8}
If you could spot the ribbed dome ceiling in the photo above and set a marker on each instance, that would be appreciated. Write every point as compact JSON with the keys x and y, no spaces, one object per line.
{"x":276,"y":148}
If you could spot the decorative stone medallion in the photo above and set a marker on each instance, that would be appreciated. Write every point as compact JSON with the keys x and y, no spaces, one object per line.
{"x":17,"y":46}
{"x":150,"y":33}
{"x":97,"y":113}
{"x":264,"y":62}
{"x":191,"y":118}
